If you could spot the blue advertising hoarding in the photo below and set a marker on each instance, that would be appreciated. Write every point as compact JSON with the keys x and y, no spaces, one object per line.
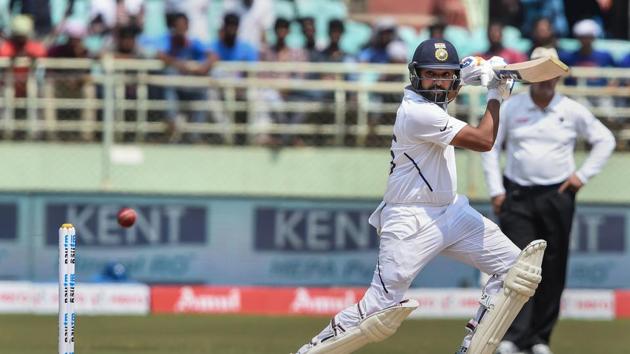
{"x":257,"y":241}
{"x":167,"y":243}
{"x":8,"y":221}
{"x":156,"y":225}
{"x":313,"y":230}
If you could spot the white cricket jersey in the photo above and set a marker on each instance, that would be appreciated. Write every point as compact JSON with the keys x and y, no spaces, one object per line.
{"x":539,"y":143}
{"x":423,"y":163}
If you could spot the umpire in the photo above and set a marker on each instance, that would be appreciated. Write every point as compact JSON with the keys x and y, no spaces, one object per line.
{"x":535,"y":198}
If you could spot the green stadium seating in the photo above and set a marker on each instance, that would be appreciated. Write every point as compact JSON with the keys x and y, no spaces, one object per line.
{"x":295,"y":39}
{"x":154,"y":19}
{"x":357,"y":34}
{"x":617,"y":48}
{"x":462,"y":39}
{"x":409,"y":35}
{"x":284,"y":9}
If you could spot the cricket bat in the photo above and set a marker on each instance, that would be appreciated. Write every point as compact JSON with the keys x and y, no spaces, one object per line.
{"x":537,"y":70}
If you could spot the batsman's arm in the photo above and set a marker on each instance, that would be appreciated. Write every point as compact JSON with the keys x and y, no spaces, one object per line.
{"x":482,"y":137}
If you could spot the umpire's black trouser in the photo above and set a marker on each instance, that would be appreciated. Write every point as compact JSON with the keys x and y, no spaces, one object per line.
{"x":539,"y":212}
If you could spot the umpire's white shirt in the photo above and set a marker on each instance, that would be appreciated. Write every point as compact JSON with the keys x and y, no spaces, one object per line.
{"x":423,"y":163}
{"x":539,"y":143}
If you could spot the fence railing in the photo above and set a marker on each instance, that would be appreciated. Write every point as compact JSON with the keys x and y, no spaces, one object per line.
{"x":328,"y":104}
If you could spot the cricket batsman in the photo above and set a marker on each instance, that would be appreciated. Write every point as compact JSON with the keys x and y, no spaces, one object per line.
{"x":421,"y":215}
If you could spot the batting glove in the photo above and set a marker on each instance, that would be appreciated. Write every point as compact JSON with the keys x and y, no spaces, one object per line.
{"x":499,"y":89}
{"x":475,"y":71}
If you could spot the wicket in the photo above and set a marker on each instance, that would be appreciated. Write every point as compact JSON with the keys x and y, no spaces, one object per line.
{"x":67,"y":282}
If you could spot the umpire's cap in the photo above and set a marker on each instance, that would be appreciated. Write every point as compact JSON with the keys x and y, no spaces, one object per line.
{"x":436,"y":54}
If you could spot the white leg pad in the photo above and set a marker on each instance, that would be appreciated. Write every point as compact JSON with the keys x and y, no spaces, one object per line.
{"x":519,"y":285}
{"x":373,"y":328}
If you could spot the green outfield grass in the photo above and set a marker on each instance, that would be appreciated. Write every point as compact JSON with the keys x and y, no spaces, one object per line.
{"x":247,"y":335}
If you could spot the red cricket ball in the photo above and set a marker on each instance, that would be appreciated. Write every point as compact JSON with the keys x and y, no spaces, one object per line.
{"x":126,"y":217}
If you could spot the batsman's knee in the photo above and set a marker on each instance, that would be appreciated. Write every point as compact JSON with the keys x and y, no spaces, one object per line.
{"x":523,"y":278}
{"x":395,"y":277}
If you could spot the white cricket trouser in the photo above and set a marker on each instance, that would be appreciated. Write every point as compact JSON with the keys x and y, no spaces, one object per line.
{"x":412,"y":235}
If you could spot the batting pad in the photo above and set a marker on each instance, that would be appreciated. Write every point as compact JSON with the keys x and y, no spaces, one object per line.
{"x":520,"y":284}
{"x":373,"y":328}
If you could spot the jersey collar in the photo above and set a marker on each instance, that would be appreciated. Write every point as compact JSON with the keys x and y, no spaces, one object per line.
{"x":551,"y":107}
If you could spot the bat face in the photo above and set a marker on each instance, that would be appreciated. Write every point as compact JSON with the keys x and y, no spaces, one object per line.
{"x":537,"y":70}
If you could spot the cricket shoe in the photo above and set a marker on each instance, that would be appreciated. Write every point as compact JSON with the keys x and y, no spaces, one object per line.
{"x":541,"y":349}
{"x":306,"y":347}
{"x":507,"y":347}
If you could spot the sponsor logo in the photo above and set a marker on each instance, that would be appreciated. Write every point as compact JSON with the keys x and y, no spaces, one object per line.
{"x":188,"y":301}
{"x":155,"y":225}
{"x":314,"y":230}
{"x":305,"y":302}
{"x":445,"y":127}
{"x":588,"y":304}
{"x":467,"y":62}
{"x":127,"y":299}
{"x":509,"y":74}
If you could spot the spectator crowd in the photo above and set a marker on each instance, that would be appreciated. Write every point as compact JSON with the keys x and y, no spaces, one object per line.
{"x":250,"y":32}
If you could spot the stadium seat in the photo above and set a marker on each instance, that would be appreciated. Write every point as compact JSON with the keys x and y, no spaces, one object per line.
{"x":357,"y":35}
{"x":461,"y":39}
{"x":284,"y":9}
{"x":81,"y":9}
{"x":94,"y":44}
{"x":4,"y":15}
{"x":336,"y":9}
{"x":617,"y":48}
{"x":322,"y":11}
{"x":477,"y":42}
{"x":409,"y":35}
{"x":295,"y":38}
{"x":568,"y":44}
{"x":511,"y":34}
{"x":154,"y":19}
{"x":423,"y":35}
{"x":215,"y":18}
{"x":523,"y":45}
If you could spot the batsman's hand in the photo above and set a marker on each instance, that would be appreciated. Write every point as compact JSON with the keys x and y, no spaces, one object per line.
{"x":499,"y":89}
{"x":476,"y":71}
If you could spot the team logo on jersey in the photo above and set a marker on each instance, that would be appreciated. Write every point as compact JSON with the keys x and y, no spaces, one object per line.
{"x":441,"y":54}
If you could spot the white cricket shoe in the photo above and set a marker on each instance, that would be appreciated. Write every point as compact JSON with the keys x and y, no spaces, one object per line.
{"x":541,"y":349}
{"x":507,"y":347}
{"x":306,"y":347}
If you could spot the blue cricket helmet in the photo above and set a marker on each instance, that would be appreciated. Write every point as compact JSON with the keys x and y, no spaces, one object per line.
{"x":434,"y":54}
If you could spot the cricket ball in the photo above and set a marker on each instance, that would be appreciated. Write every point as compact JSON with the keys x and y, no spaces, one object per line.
{"x":126,"y":217}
